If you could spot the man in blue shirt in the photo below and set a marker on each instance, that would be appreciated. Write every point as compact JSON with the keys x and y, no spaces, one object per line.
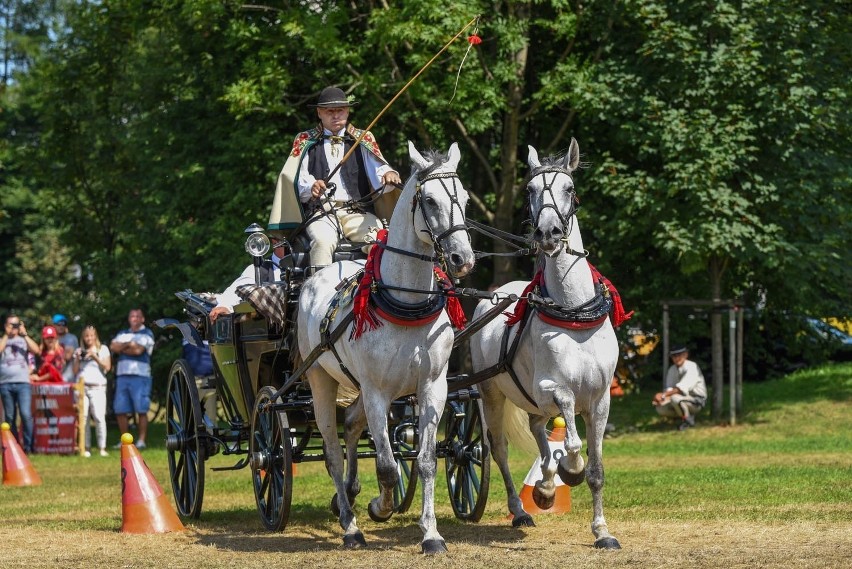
{"x":133,"y":374}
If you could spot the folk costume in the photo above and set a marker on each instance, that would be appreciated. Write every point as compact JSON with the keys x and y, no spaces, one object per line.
{"x":313,"y":156}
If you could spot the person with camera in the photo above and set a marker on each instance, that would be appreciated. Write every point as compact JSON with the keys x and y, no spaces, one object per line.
{"x":91,"y":362}
{"x":52,"y":358}
{"x":15,"y":390}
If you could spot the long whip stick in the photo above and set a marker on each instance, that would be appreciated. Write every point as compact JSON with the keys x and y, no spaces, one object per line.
{"x":392,"y":101}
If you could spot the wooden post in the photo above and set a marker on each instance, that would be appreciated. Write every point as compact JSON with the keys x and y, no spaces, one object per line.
{"x":81,"y":416}
{"x":665,"y":343}
{"x":732,"y":365}
{"x":740,"y":333}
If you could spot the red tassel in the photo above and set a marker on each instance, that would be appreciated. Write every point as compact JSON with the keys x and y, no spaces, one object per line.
{"x":521,"y":306}
{"x":618,"y":315}
{"x":365,"y":316}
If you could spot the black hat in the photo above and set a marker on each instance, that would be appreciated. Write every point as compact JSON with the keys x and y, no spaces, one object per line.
{"x":332,"y":97}
{"x":678,"y":349}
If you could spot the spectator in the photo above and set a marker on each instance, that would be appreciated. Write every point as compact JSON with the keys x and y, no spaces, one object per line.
{"x":134,"y":347}
{"x":319,"y":151}
{"x":15,"y":390}
{"x":52,"y":358}
{"x":270,"y":272}
{"x":69,"y":343}
{"x":91,"y":362}
{"x":685,"y":391}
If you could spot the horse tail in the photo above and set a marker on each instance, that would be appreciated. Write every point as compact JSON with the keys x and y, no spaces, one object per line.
{"x":516,"y":425}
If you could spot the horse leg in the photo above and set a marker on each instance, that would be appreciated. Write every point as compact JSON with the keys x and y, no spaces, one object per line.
{"x":595,"y":428}
{"x":432,"y":396}
{"x":544,"y":492}
{"x":381,"y":507}
{"x":354,"y":423}
{"x":324,"y":394}
{"x":494,"y":407}
{"x":571,"y":467}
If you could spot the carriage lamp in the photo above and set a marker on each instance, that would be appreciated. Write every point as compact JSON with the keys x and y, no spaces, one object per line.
{"x":257,"y":245}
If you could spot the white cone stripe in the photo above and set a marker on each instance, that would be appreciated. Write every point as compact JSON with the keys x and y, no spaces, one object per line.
{"x":557,"y":451}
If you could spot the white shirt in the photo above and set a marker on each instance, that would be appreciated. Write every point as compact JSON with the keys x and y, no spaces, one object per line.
{"x":91,"y":372}
{"x":229,"y":296}
{"x":375,"y":169}
{"x":688,"y":378}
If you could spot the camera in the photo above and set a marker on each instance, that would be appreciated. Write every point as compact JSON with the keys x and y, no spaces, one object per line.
{"x":16,"y":325}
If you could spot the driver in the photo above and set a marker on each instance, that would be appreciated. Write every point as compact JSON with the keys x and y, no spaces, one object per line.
{"x":364,"y":172}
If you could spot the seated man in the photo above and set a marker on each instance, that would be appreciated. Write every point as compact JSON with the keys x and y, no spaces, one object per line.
{"x":685,"y":393}
{"x":364,"y":172}
{"x":269,"y":272}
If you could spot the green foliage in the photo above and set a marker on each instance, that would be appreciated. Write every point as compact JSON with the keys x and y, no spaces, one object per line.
{"x":147,"y":136}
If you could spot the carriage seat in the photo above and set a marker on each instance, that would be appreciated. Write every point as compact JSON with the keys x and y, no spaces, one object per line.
{"x":301,"y":252}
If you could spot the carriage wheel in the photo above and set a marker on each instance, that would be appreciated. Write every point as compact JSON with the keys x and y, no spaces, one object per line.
{"x":468,"y":463}
{"x":184,"y":440}
{"x":271,"y":461}
{"x":405,"y":440}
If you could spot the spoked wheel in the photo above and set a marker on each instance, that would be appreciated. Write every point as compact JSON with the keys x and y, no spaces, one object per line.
{"x":185,"y":440}
{"x":404,"y":440}
{"x":468,"y":463}
{"x":271,"y":460}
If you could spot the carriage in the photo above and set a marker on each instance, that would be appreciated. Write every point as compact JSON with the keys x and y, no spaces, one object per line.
{"x":274,"y":406}
{"x":266,"y":418}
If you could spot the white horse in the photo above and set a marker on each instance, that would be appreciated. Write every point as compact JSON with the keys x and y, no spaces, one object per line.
{"x":559,"y":367}
{"x":406,"y":354}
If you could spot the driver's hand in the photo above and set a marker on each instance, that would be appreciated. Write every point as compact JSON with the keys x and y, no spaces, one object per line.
{"x":318,"y":188}
{"x":391,"y":178}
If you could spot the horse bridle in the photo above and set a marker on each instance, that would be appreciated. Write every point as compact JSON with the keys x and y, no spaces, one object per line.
{"x":454,"y":203}
{"x":564,"y":219}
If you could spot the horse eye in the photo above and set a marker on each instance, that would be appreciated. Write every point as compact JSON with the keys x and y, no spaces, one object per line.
{"x":430,"y":200}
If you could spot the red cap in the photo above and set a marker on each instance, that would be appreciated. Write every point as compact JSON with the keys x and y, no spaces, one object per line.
{"x":48,"y":332}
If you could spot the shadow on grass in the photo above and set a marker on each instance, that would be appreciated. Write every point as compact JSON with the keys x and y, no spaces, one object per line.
{"x":303,"y":534}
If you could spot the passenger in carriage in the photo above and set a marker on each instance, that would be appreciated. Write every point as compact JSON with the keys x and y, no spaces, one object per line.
{"x":364,"y":172}
{"x":269,"y":272}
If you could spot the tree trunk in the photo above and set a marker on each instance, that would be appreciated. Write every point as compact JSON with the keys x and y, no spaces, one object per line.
{"x":716,"y":270}
{"x":504,"y":214}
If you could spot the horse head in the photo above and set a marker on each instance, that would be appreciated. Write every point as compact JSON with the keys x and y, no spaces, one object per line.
{"x":440,"y":199}
{"x":552,"y":198}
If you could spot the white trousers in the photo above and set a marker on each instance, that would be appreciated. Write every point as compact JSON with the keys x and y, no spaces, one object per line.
{"x":94,"y":408}
{"x":678,"y":407}
{"x":325,"y":232}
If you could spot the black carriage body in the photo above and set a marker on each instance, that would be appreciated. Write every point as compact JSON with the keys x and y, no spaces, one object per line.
{"x":271,"y":429}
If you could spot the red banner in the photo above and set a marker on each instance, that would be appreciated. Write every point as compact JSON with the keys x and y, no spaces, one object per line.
{"x":55,"y":418}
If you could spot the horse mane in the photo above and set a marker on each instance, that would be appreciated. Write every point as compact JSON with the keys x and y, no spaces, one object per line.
{"x":435,"y":158}
{"x":547,"y":163}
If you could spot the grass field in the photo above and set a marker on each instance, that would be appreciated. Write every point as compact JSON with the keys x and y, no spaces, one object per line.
{"x":773,"y":491}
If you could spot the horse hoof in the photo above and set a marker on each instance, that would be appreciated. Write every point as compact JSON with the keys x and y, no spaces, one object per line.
{"x":571,"y":478}
{"x":354,"y":541}
{"x":335,"y":509}
{"x":434,"y":547}
{"x":607,"y":543}
{"x":524,"y":521}
{"x":542,"y":501}
{"x":375,"y":516}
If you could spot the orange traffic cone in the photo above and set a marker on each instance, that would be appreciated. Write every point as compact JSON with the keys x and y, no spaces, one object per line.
{"x":562,"y":502}
{"x":17,"y":470}
{"x":144,"y":507}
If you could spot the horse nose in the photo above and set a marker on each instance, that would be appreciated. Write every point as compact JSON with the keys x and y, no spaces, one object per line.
{"x":460,"y":267}
{"x":541,"y":235}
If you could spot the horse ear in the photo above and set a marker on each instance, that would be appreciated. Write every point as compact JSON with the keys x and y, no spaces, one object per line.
{"x":572,"y":158}
{"x":454,"y":156}
{"x":419,"y":162}
{"x":532,"y":160}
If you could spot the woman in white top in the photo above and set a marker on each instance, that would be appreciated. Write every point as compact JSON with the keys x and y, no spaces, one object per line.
{"x":91,"y":363}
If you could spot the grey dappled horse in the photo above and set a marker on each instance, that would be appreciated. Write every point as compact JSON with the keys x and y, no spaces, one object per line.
{"x":560,"y":370}
{"x":392,"y":360}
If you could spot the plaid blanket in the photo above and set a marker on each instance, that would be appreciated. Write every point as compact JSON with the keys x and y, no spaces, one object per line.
{"x":270,"y":300}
